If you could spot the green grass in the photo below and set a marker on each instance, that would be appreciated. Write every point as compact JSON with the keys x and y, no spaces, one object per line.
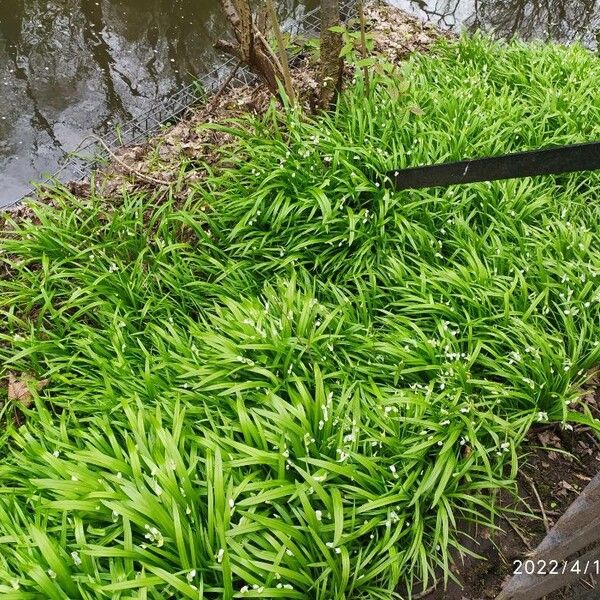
{"x":297,"y":383}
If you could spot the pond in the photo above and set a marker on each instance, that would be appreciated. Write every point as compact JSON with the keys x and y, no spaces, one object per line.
{"x":71,"y":67}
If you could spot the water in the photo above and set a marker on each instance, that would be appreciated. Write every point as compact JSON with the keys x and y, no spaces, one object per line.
{"x":565,"y":21}
{"x":70,"y":67}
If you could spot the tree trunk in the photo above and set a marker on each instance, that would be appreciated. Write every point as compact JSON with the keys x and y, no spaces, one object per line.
{"x":251,"y":48}
{"x":331,"y":46}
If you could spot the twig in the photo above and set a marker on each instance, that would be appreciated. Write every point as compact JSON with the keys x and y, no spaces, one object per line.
{"x":213,"y":101}
{"x":129,"y":168}
{"x":363,"y":44}
{"x":283,"y":57}
{"x":208,"y":109}
{"x":518,"y":532}
{"x":425,"y":593}
{"x":552,"y":513}
{"x":589,"y":584}
{"x":593,"y":439}
{"x":539,"y":500}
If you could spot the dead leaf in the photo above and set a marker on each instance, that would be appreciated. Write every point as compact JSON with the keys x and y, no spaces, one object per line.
{"x":19,"y":388}
{"x":567,"y":486}
{"x":548,"y":438}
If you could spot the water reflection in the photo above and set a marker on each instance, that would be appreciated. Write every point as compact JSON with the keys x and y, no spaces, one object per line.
{"x":68,"y":67}
{"x":566,"y":21}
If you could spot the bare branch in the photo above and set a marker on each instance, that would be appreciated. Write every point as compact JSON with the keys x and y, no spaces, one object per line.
{"x":283,"y":57}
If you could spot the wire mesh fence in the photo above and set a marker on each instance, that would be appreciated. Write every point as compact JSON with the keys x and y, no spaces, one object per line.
{"x":77,"y":165}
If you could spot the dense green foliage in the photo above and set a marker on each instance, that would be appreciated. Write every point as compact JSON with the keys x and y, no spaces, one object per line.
{"x":298,"y":383}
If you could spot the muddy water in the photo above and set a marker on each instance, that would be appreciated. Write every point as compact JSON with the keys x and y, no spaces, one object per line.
{"x":70,"y":67}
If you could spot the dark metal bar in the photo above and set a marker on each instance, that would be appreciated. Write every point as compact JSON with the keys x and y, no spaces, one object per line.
{"x":550,"y":161}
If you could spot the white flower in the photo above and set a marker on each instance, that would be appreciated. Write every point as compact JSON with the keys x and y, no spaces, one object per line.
{"x":154,"y":535}
{"x":542,"y":416}
{"x":190,"y":576}
{"x":75,"y":557}
{"x":220,"y":555}
{"x":231,"y":503}
{"x":318,"y":515}
{"x":515,"y":357}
